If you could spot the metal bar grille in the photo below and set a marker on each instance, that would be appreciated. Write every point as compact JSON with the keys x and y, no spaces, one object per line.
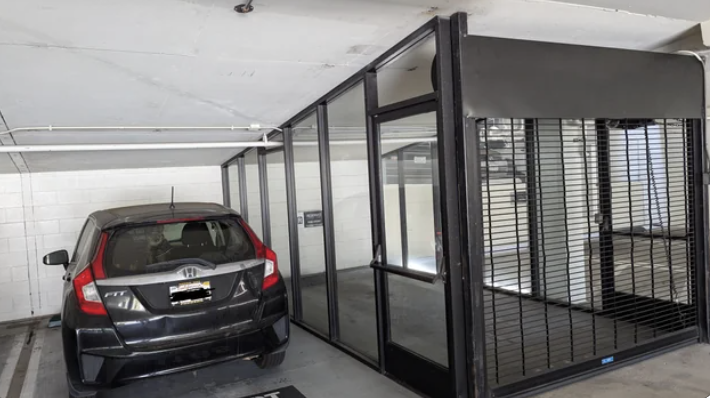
{"x":588,"y":240}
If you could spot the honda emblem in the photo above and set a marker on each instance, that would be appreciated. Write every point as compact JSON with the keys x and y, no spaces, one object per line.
{"x":189,"y":272}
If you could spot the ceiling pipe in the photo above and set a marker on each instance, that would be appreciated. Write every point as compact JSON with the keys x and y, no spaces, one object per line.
{"x":358,"y":142}
{"x":253,"y":127}
{"x":134,"y":147}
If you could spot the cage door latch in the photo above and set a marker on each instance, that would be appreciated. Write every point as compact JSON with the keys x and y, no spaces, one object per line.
{"x":603,"y":221}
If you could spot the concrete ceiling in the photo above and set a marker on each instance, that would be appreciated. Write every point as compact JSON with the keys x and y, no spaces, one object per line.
{"x":197,"y":62}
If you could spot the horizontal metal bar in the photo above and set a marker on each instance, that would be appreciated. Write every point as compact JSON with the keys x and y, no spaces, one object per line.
{"x":410,"y":110}
{"x":253,"y":128}
{"x":179,"y":275}
{"x":649,"y":235}
{"x":556,"y":378}
{"x":408,"y":273}
{"x":133,"y":147}
{"x":404,"y":104}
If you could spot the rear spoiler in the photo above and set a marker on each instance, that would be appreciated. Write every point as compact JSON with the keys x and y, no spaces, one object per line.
{"x":170,"y":218}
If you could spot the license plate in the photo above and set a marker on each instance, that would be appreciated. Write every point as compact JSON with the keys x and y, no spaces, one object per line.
{"x":190,"y":293}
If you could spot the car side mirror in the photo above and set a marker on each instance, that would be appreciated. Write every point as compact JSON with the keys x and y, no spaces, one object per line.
{"x":60,"y":257}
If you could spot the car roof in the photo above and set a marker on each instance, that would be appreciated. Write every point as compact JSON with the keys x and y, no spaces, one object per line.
{"x":111,"y":218}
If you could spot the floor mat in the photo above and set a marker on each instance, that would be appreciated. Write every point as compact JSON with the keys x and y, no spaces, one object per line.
{"x":286,"y":392}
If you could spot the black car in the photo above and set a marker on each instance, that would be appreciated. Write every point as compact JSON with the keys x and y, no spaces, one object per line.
{"x":157,"y":289}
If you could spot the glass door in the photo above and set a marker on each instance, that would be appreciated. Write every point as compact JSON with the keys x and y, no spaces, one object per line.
{"x":409,"y":258}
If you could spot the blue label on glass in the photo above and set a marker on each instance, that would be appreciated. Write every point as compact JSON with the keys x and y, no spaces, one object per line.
{"x":607,"y":361}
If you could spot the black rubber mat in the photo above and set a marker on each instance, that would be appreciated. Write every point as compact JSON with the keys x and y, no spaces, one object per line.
{"x":285,"y":392}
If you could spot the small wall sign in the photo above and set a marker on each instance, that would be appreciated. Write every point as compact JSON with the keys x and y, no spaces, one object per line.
{"x":313,"y":219}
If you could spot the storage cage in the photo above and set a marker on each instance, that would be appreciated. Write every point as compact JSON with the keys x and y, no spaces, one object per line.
{"x":585,"y":205}
{"x":486,"y":217}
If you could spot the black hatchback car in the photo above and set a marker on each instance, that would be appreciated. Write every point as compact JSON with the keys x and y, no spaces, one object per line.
{"x":157,"y":289}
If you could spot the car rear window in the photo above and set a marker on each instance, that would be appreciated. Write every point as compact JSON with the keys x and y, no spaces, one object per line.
{"x":145,"y":249}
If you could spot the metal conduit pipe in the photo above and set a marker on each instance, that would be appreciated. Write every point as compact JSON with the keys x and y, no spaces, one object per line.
{"x":253,"y":127}
{"x":134,"y":147}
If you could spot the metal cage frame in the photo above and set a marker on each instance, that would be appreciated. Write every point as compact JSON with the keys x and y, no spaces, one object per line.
{"x":467,"y":69}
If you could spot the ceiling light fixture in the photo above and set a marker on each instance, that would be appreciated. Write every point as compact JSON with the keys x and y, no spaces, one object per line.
{"x":245,"y":8}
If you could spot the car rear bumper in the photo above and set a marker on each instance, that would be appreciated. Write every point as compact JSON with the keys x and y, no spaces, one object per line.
{"x":105,"y":367}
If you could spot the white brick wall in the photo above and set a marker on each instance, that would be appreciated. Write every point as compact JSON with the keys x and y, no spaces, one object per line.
{"x":43,"y":212}
{"x":14,"y":286}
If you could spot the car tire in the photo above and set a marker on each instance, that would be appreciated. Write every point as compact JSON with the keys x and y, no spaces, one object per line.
{"x":74,"y":393}
{"x":269,"y":361}
{"x":94,"y":395}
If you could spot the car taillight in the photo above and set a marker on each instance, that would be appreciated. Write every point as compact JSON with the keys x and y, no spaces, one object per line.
{"x":271,"y":268}
{"x":271,"y":264}
{"x":87,"y":293}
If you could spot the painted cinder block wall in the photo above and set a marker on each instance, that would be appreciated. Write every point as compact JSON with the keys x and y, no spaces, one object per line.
{"x":42,"y":212}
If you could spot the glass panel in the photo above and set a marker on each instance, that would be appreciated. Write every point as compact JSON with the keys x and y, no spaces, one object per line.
{"x":417,"y":309}
{"x":418,"y":317}
{"x":278,"y":215}
{"x":253,"y":193}
{"x":409,"y":75}
{"x":235,"y":201}
{"x":351,"y":219}
{"x":408,"y":191}
{"x":310,"y":226}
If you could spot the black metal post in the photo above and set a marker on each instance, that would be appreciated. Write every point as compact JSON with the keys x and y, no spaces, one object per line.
{"x":264,"y":191}
{"x":471,"y":247}
{"x":242,"y":170}
{"x":447,"y":181}
{"x":226,"y":199}
{"x":606,"y":238}
{"x":292,"y":212}
{"x":404,"y":236}
{"x":531,"y":180}
{"x":377,"y":219}
{"x":331,"y":274}
{"x":698,"y":208}
{"x":436,"y":199}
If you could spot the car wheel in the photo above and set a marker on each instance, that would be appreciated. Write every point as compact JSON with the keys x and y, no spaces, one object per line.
{"x":269,"y":361}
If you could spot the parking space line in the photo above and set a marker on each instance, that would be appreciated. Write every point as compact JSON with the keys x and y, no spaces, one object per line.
{"x":28,"y":387}
{"x":18,"y":376}
{"x":11,"y":363}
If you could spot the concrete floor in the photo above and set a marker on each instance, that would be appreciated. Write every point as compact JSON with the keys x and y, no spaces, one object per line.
{"x":31,"y":366}
{"x":684,"y":373}
{"x":315,"y":368}
{"x":418,"y":322}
